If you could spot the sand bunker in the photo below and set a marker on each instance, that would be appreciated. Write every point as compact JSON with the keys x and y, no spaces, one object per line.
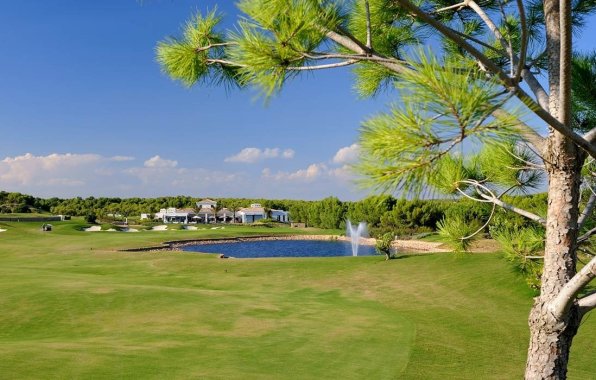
{"x":93,"y":229}
{"x":129,"y":230}
{"x":2,"y":230}
{"x":190,"y":228}
{"x":163,"y":227}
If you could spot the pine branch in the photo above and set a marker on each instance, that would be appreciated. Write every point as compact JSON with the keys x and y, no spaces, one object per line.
{"x":506,"y":80}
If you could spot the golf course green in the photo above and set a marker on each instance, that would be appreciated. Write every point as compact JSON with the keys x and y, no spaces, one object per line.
{"x":75,"y":307}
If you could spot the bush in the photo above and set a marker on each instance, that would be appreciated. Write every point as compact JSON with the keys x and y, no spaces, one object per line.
{"x":383,"y":245}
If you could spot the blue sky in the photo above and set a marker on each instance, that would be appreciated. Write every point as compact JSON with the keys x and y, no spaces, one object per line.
{"x":85,"y":110}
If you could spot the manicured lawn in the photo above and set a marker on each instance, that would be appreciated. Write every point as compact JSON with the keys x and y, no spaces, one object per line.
{"x":73,"y":307}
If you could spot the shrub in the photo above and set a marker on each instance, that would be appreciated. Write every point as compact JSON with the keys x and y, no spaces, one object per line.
{"x":383,"y":245}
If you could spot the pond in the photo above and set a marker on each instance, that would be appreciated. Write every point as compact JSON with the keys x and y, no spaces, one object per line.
{"x":282,"y":248}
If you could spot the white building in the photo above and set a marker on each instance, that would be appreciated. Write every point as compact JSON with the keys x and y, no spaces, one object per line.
{"x":280,"y":216}
{"x":252,"y":214}
{"x":225,"y":215}
{"x":206,"y":212}
{"x":173,"y":215}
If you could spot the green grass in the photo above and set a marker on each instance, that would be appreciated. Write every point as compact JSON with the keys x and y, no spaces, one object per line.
{"x":72,"y":306}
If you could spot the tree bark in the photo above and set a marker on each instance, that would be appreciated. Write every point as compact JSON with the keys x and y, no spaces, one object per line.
{"x":551,"y":333}
{"x":551,"y":337}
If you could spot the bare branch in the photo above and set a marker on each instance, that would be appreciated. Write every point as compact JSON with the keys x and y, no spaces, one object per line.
{"x":457,"y":6}
{"x":517,"y":210}
{"x":561,"y":304}
{"x":357,"y":47}
{"x":565,"y":113}
{"x":587,"y":303}
{"x":590,"y":136}
{"x":489,"y":197}
{"x":359,"y":57}
{"x":492,"y":212}
{"x":203,"y":48}
{"x":479,"y":42}
{"x":586,"y":236}
{"x":224,"y":62}
{"x":524,"y":40}
{"x":321,"y":67}
{"x":587,"y":212}
{"x":536,"y":87}
{"x":509,"y":44}
{"x":368,"y":32}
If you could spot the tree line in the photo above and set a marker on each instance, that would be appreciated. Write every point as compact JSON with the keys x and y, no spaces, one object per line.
{"x":382,"y":213}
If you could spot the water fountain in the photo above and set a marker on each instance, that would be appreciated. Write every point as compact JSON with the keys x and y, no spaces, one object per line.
{"x":355,"y":234}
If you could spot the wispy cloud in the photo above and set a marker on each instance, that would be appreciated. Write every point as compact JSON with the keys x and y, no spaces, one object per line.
{"x":251,"y":155}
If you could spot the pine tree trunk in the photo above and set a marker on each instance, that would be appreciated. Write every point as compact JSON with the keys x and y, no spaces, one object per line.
{"x":551,"y":338}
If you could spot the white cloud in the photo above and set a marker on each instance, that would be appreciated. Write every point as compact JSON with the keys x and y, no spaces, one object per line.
{"x":347,"y":155}
{"x":158,"y":162}
{"x":67,"y":175}
{"x":28,"y":169}
{"x":252,"y":155}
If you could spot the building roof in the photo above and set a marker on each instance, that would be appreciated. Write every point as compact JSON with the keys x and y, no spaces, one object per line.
{"x":207,"y":201}
{"x":206,"y":210}
{"x":253,"y":211}
{"x":189,"y":210}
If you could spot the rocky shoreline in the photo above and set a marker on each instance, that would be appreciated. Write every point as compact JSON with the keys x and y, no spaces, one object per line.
{"x":415,"y":246}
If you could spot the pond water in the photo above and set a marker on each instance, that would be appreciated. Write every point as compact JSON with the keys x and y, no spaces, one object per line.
{"x":282,"y":248}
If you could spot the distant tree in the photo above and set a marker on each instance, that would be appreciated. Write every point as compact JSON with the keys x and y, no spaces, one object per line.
{"x":91,"y":218}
